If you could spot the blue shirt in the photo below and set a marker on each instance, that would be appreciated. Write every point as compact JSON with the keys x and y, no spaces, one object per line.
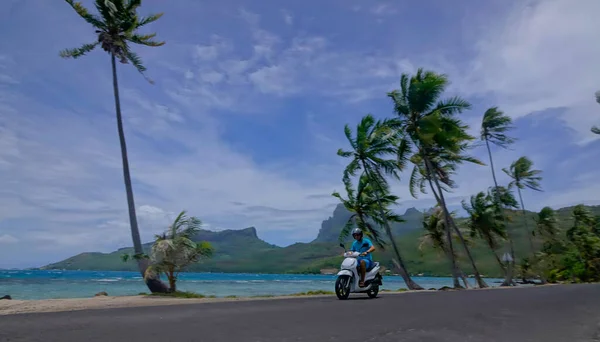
{"x":362,"y":246}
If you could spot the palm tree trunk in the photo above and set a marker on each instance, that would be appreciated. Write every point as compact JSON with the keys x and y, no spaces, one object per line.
{"x":400,"y":263}
{"x":529,"y":233}
{"x":480,"y":282}
{"x":172,"y":282}
{"x":461,"y":274}
{"x":508,"y":279}
{"x":504,"y":269}
{"x":526,"y":223}
{"x":478,"y":277}
{"x":441,"y":203}
{"x":151,"y":282}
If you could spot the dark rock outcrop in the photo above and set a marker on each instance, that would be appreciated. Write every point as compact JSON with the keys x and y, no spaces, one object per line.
{"x":331,"y":227}
{"x":101,"y":294}
{"x":8,"y":297}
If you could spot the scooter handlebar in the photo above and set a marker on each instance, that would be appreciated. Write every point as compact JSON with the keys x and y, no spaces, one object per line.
{"x":351,"y":254}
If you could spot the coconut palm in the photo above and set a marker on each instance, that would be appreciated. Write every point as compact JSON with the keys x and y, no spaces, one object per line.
{"x":524,"y":176}
{"x":485,"y":222}
{"x":494,"y":126}
{"x":362,"y":203}
{"x":116,"y":28}
{"x":435,"y":141}
{"x":175,"y":249}
{"x":546,"y":223}
{"x":434,"y":229}
{"x":373,"y":144}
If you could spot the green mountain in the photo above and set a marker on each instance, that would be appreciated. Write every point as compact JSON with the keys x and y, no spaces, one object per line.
{"x":243,"y":251}
{"x":330,"y":228}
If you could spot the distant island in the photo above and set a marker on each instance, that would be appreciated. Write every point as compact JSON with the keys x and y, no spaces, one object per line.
{"x":242,"y":251}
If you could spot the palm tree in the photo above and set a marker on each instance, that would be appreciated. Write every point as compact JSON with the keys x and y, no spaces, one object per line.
{"x":486,"y":222}
{"x":363,"y":205}
{"x":374,"y":141}
{"x":174,"y":250}
{"x":494,"y":126}
{"x":116,"y":28}
{"x":523,"y":176}
{"x":546,"y":223}
{"x":433,"y":225}
{"x":435,"y":141}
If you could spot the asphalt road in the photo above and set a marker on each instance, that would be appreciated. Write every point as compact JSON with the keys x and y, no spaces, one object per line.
{"x":555,"y":313}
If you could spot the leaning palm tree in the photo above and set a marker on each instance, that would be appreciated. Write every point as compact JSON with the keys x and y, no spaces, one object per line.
{"x":434,"y":229}
{"x":485,"y":222}
{"x":373,"y":143}
{"x":524,"y":176}
{"x":435,"y":141}
{"x":175,"y":249}
{"x":363,"y":205}
{"x":546,"y":223}
{"x":116,"y":29}
{"x":494,"y":126}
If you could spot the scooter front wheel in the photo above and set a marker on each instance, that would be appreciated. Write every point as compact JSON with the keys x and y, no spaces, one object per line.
{"x":342,"y":287}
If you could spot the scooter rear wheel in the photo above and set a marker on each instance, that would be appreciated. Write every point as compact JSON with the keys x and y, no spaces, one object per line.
{"x":342,"y":287}
{"x":373,"y":292}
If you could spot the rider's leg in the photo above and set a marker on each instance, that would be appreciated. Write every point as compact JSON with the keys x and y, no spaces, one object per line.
{"x":363,"y":271}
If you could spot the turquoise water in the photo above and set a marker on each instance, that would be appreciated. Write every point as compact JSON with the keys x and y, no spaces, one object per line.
{"x":78,"y":284}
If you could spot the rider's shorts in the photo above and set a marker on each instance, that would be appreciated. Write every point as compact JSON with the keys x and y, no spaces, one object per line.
{"x":368,"y":262}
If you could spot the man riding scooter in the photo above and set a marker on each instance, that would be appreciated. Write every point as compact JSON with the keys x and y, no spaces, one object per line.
{"x":365,"y":247}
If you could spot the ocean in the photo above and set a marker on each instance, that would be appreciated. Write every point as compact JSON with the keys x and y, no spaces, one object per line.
{"x":29,"y":284}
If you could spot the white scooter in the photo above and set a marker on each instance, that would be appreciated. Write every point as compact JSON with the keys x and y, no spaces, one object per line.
{"x":348,"y":277}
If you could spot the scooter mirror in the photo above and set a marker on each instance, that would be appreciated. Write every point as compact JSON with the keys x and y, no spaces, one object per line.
{"x":342,"y":245}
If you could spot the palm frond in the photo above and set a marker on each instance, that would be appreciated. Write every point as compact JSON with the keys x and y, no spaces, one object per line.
{"x":78,"y":52}
{"x":451,"y":106}
{"x":347,"y":229}
{"x":494,"y":127}
{"x":84,"y":13}
{"x":523,"y":175}
{"x":145,"y":40}
{"x":149,"y":19}
{"x":116,"y":28}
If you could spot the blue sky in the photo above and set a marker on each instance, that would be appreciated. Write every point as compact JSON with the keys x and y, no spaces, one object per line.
{"x":248,"y":108}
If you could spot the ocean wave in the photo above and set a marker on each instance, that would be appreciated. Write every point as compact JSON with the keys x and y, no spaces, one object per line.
{"x":108,"y":280}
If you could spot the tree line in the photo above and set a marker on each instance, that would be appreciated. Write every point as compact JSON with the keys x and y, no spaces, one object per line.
{"x":427,"y":135}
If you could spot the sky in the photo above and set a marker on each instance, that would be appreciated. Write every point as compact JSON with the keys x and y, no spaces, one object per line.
{"x":242,"y":124}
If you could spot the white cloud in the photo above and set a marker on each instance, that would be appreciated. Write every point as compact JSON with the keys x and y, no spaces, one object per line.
{"x":383,"y":9}
{"x":8,"y":239}
{"x":542,"y":56}
{"x":287,"y":17}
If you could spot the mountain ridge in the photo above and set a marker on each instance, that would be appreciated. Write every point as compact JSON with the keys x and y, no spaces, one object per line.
{"x":242,"y":251}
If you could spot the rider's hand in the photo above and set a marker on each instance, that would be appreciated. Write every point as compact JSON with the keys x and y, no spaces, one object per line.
{"x":363,"y":253}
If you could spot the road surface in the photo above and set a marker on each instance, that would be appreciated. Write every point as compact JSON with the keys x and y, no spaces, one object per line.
{"x":568,"y":313}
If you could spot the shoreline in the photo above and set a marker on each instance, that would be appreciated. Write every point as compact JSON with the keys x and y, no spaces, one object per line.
{"x":14,"y":307}
{"x":416,"y":275}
